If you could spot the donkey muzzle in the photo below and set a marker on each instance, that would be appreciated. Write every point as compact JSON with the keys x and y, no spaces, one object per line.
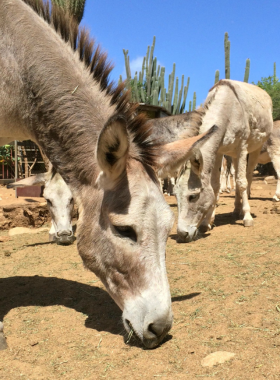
{"x":65,"y":237}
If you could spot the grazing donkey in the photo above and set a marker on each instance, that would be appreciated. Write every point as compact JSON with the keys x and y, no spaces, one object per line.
{"x":54,"y":90}
{"x":59,"y":201}
{"x":270,"y":152}
{"x":243,"y":114}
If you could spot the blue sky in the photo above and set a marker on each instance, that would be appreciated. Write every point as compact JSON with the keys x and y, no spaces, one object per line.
{"x":191,"y":34}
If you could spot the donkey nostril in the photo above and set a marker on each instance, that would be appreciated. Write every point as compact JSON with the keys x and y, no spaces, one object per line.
{"x":155,"y":329}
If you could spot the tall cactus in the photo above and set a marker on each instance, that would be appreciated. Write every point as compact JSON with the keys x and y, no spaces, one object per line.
{"x":150,"y":84}
{"x":274,"y":73}
{"x":73,"y":7}
{"x":217,"y":76}
{"x":227,"y":56}
{"x":247,"y":70}
{"x":194,"y":101}
{"x":227,"y":62}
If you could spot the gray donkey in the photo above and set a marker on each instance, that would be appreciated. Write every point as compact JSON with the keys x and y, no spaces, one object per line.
{"x":54,"y":89}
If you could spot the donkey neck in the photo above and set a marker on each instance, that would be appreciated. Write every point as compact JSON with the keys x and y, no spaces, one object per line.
{"x":65,"y":106}
{"x":172,"y":128}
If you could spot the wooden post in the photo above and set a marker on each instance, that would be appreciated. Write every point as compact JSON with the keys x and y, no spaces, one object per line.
{"x":16,"y":165}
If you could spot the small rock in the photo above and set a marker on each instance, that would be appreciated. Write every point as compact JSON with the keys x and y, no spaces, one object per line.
{"x":34,"y":343}
{"x":216,"y":358}
{"x":269,"y":178}
{"x":3,"y":343}
{"x":4,"y":238}
{"x":25,"y":230}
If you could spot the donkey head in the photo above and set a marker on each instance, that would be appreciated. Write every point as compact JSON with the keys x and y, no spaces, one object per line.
{"x":126,"y":247}
{"x":195,"y":197}
{"x":60,"y":203}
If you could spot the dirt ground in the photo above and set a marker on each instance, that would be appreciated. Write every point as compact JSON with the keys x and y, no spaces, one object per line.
{"x":61,"y":324}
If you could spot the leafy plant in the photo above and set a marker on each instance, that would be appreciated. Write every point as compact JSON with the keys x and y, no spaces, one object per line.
{"x":271,"y":85}
{"x":7,"y":154}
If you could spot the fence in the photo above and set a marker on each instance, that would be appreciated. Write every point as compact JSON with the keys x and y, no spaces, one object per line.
{"x":28,"y":157}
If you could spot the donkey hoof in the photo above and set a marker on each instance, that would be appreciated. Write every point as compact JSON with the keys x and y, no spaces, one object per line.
{"x":3,"y":343}
{"x":248,"y":222}
{"x":275,"y":198}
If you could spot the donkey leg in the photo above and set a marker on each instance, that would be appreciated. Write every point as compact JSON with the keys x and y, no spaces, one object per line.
{"x":52,"y":232}
{"x":274,"y":154}
{"x":3,"y":343}
{"x":242,"y":183}
{"x":223,"y":179}
{"x":252,"y":162}
{"x":237,"y":201}
{"x":208,"y":221}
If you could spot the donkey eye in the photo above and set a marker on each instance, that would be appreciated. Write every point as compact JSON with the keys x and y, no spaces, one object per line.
{"x":126,"y":232}
{"x":193,"y":197}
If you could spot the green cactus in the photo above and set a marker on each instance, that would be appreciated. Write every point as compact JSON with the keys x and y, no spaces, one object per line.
{"x":186,"y":89}
{"x":175,"y":101}
{"x":73,"y":7}
{"x":150,"y":84}
{"x":194,"y":101}
{"x":227,"y":56}
{"x":247,"y":70}
{"x":274,"y":73}
{"x":190,"y":106}
{"x":217,"y":76}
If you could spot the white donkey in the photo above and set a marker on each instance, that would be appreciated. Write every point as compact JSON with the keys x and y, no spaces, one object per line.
{"x":60,"y":203}
{"x":243,"y":113}
{"x":270,"y":152}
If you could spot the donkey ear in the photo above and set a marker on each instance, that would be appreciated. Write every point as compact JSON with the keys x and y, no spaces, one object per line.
{"x":197,"y":162}
{"x":112,"y":149}
{"x":34,"y":180}
{"x":173,"y":155}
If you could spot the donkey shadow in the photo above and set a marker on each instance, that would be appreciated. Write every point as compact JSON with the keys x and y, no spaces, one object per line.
{"x":102,"y":312}
{"x":92,"y":301}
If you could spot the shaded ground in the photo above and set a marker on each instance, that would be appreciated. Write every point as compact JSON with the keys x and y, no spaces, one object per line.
{"x":61,"y":324}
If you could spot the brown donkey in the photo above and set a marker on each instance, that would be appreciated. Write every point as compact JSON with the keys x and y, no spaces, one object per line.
{"x":54,"y":90}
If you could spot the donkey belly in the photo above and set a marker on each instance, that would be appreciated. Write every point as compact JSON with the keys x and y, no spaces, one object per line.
{"x":231,"y":143}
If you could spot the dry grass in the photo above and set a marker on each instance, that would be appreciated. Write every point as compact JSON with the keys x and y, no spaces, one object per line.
{"x":61,"y":324}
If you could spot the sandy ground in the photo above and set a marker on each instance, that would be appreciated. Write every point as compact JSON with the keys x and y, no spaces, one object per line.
{"x":61,"y":324}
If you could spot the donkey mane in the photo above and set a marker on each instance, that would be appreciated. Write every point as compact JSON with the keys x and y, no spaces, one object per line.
{"x":223,"y":82}
{"x":95,"y":60}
